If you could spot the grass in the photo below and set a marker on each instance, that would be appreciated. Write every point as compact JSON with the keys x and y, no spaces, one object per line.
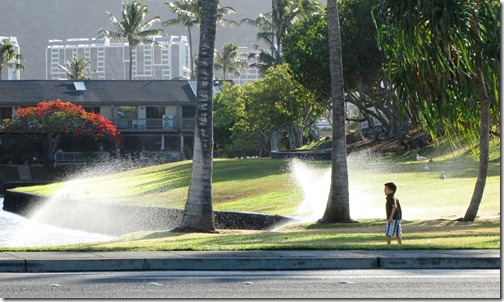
{"x":430,"y":205}
{"x":367,"y":234}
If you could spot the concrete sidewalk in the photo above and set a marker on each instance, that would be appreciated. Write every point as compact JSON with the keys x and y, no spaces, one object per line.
{"x":248,"y":260}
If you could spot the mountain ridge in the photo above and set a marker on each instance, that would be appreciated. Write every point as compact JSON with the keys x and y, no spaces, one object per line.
{"x":34,"y":23}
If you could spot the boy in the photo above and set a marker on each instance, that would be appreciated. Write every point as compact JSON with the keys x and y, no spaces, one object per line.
{"x":394,"y":214}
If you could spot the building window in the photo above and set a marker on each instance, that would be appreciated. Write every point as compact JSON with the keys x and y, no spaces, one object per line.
{"x":155,"y":112}
{"x":127,"y":112}
{"x":92,"y":109}
{"x":126,"y":115}
{"x":188,"y":116}
{"x":6,"y":112}
{"x":188,"y":111}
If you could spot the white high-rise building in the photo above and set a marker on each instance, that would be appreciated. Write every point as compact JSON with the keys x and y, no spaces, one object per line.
{"x":166,"y":60}
{"x":10,"y":73}
{"x":250,"y":74}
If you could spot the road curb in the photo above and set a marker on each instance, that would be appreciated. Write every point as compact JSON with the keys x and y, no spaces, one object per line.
{"x":440,"y":263}
{"x":247,"y":260}
{"x":204,"y":264}
{"x":10,"y":266}
{"x":208,"y":264}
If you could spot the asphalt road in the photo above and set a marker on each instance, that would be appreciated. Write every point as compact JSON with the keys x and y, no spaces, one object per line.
{"x":327,"y":284}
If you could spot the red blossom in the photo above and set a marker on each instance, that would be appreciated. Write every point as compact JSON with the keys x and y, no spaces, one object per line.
{"x":62,"y":117}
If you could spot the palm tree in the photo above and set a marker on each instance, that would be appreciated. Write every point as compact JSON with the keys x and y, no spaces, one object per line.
{"x":189,"y":15}
{"x":273,"y":26}
{"x":198,"y":212}
{"x":229,"y":61}
{"x":443,"y":59}
{"x":132,"y":27}
{"x":9,"y":57}
{"x":338,"y":204}
{"x":76,"y":69}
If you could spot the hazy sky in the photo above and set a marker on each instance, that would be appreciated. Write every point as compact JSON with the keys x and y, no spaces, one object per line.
{"x":35,"y":22}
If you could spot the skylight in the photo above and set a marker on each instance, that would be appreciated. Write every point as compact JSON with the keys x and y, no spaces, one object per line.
{"x":79,"y":86}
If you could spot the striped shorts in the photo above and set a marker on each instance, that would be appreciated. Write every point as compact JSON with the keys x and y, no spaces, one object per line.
{"x":393,"y":228}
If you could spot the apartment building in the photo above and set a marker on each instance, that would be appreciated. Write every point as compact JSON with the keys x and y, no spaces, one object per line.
{"x":167,"y":59}
{"x":156,"y":118}
{"x":11,"y":73}
{"x":250,"y":74}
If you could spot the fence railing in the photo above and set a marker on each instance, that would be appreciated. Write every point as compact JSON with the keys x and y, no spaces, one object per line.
{"x":77,"y":157}
{"x":152,"y":124}
{"x":160,"y":156}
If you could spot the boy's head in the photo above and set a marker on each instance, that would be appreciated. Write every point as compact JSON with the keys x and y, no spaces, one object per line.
{"x":391,"y":186}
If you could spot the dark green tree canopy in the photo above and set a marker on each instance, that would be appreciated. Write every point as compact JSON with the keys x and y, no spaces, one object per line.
{"x":307,"y":53}
{"x":442,"y":63}
{"x":432,"y":63}
{"x":273,"y":26}
{"x":252,"y":111}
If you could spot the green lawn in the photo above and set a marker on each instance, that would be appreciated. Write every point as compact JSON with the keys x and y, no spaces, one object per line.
{"x":367,"y":234}
{"x":280,"y":187}
{"x":299,"y":188}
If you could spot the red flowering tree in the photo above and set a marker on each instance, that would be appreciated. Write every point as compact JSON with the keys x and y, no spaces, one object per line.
{"x":55,"y":118}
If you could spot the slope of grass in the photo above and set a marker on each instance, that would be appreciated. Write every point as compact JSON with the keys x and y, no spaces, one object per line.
{"x":270,"y":186}
{"x":430,"y":205}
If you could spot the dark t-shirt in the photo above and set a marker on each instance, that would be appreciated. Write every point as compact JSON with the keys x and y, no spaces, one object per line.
{"x":390,"y":201}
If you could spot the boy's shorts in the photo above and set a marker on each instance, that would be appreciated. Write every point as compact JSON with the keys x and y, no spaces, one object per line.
{"x":393,"y":228}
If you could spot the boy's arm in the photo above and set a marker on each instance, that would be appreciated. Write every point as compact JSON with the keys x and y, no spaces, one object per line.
{"x":394,"y":207}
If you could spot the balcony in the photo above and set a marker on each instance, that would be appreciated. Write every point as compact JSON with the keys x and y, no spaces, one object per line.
{"x":154,"y":124}
{"x":63,"y":158}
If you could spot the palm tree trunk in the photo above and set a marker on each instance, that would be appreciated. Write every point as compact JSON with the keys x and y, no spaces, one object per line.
{"x":485,"y":102}
{"x":479,"y":188}
{"x":198,"y":212}
{"x":191,"y":55}
{"x":338,"y":205}
{"x":52,"y":144}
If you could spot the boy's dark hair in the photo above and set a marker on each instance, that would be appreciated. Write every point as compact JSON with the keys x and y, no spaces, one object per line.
{"x":391,"y":186}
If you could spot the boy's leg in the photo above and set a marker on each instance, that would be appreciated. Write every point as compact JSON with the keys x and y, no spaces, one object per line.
{"x":399,"y":232}
{"x":389,"y":231}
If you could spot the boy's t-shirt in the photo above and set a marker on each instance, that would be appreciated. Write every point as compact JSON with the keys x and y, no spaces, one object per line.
{"x":390,"y":202}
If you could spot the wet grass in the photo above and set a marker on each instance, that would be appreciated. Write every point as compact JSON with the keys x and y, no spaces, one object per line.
{"x":267,"y":186}
{"x":365,"y":235}
{"x":430,"y":205}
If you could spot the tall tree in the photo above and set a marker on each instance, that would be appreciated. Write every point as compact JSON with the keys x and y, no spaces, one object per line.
{"x":188,"y":13}
{"x":338,"y":203}
{"x":9,"y":57}
{"x":257,"y":114}
{"x":76,"y":69}
{"x":228,"y":60}
{"x":306,"y":50}
{"x":198,"y":212}
{"x":442,"y":59}
{"x":56,"y":118}
{"x":133,"y":27}
{"x":273,"y":26}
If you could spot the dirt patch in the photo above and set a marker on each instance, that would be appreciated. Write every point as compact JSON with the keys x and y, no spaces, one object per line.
{"x":416,"y":139}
